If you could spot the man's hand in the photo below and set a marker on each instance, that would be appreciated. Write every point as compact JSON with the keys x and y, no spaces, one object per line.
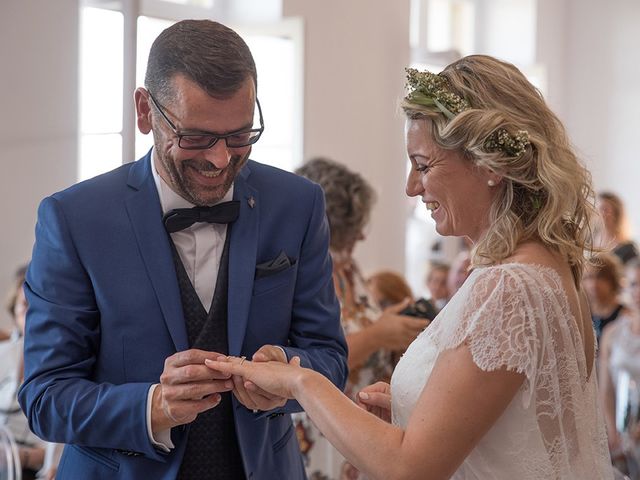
{"x":253,"y":397}
{"x":187,"y":388}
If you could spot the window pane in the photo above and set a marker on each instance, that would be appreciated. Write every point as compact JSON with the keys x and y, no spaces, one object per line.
{"x":148,"y":29}
{"x":274,"y":57}
{"x":195,"y":3}
{"x":101,"y":60}
{"x":99,"y":154}
{"x":274,"y":155}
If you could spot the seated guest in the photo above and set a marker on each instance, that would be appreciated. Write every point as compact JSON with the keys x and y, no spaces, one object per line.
{"x":602,"y":281}
{"x":620,"y":356}
{"x":437,"y":284}
{"x":31,"y":449}
{"x":614,"y":232}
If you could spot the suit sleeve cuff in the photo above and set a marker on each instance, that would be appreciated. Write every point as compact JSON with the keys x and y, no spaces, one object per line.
{"x":162,"y":439}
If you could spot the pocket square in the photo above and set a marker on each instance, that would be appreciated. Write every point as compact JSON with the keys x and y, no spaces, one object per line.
{"x":271,"y":267}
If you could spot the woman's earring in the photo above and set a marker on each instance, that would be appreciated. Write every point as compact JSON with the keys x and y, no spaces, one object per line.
{"x":491,"y":183}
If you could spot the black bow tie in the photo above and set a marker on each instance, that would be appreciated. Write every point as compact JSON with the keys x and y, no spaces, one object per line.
{"x":181,"y":218}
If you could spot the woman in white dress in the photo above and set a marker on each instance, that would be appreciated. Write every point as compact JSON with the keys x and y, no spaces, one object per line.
{"x":502,"y":384}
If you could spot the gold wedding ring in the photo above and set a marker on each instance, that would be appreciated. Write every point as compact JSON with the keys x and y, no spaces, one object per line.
{"x":242,"y":359}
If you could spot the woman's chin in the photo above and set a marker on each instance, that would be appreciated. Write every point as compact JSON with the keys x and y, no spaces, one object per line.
{"x":443,"y":230}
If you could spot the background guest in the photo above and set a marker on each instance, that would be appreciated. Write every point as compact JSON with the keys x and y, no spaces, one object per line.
{"x":614,"y":233}
{"x":459,"y":271}
{"x":31,"y":449}
{"x":436,"y":282}
{"x":602,"y":281}
{"x":620,"y":354}
{"x":372,"y":335}
{"x":388,"y":288}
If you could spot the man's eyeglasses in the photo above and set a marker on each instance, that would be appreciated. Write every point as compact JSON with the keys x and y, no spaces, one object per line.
{"x":202,"y":141}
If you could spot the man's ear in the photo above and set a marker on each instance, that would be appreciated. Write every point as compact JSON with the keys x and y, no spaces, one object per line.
{"x":143,"y":110}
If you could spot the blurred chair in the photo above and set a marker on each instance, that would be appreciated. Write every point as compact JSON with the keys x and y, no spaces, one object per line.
{"x":10,"y":468}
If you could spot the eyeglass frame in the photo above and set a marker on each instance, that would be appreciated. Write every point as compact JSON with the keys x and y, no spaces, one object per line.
{"x":214,"y":137}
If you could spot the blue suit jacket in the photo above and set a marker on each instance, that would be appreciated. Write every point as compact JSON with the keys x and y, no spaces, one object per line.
{"x":105,"y":312}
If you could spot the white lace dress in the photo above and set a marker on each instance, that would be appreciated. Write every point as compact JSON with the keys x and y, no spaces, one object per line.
{"x":517,"y":316}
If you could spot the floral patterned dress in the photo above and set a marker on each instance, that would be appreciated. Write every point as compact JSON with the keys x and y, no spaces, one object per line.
{"x":322,"y":460}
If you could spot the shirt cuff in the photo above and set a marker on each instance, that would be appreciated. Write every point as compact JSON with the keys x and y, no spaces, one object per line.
{"x":162,"y":439}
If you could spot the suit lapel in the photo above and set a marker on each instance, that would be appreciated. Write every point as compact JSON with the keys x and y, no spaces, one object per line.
{"x":242,"y":259}
{"x":145,"y":213}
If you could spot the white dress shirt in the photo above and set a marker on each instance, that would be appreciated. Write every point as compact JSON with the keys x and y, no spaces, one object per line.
{"x":199,"y":246}
{"x":200,"y":249}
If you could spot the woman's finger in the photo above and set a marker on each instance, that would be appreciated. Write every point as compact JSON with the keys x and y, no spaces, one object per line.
{"x":228,"y":366}
{"x":376,"y":399}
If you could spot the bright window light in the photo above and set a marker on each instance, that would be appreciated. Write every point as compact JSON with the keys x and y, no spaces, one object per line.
{"x":103,"y":152}
{"x":101,"y":54}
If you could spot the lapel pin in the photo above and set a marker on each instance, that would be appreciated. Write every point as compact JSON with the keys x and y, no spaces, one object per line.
{"x":252,"y":202}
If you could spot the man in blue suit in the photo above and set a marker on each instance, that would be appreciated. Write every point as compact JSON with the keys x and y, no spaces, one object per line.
{"x":191,"y":252}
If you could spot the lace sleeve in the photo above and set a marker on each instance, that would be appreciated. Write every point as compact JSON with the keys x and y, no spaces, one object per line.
{"x":499,"y":316}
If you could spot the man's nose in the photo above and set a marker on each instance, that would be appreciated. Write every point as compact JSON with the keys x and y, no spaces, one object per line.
{"x":218,"y":154}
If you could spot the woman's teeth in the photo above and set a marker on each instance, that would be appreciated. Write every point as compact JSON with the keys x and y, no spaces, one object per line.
{"x":432,"y":206}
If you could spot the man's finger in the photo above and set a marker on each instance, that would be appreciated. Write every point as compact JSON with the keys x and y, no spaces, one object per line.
{"x":196,"y":391}
{"x":241,"y":393}
{"x":228,"y":366}
{"x":269,"y":352}
{"x":192,"y":356}
{"x":190,"y":374}
{"x":256,"y":390}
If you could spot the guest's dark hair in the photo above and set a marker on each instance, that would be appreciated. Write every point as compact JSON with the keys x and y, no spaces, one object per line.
{"x":210,"y":54}
{"x":348,"y":197}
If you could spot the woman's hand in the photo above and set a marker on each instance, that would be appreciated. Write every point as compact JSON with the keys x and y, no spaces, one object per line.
{"x":276,"y":378}
{"x":376,"y":399}
{"x":248,"y":394}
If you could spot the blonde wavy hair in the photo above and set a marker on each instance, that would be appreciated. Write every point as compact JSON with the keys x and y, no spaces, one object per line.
{"x":545,"y":193}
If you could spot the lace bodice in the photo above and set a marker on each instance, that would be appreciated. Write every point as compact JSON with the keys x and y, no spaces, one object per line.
{"x":517,"y":316}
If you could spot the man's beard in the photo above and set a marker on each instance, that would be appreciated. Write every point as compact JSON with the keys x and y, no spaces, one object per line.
{"x":197,"y":194}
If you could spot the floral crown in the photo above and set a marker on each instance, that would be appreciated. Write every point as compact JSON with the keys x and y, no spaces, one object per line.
{"x":432,"y":90}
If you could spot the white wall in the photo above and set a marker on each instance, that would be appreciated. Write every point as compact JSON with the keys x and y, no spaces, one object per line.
{"x":38,"y":94}
{"x":602,"y":91}
{"x":356,"y":52}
